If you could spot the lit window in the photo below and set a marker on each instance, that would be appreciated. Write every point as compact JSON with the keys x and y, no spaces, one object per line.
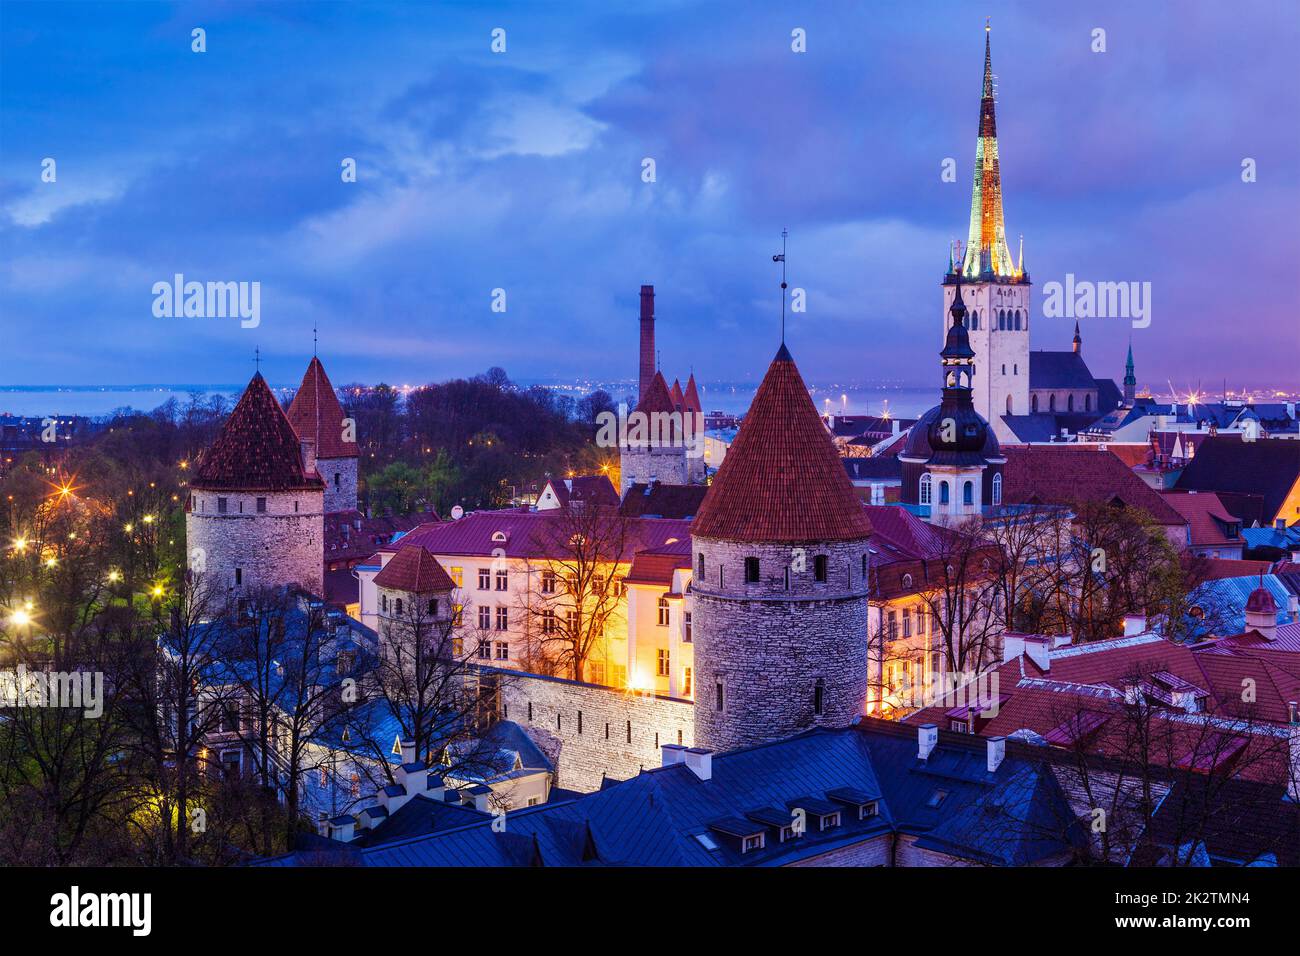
{"x":457,"y":575}
{"x":663,"y":670}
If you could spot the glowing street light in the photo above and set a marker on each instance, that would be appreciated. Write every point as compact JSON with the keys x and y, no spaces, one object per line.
{"x":20,"y":619}
{"x":157,"y":591}
{"x":20,"y":544}
{"x":114,"y":577}
{"x":148,"y":519}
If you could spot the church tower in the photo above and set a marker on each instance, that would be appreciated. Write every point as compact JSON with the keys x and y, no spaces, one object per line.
{"x":779,"y":591}
{"x":1130,"y":379}
{"x":995,"y":288}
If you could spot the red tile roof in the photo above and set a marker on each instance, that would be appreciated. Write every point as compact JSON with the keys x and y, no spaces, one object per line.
{"x":781,"y":480}
{"x":1212,"y":569}
{"x":1063,"y":474}
{"x":679,"y":400}
{"x":691,"y":397}
{"x":656,"y":568}
{"x":657,"y":397}
{"x":585,"y":488}
{"x":350,"y":536}
{"x":1131,"y":454}
{"x":1204,"y":513}
{"x":414,"y":569}
{"x":538,"y":534}
{"x":316,"y":414}
{"x":256,"y":449}
{"x":661,"y":500}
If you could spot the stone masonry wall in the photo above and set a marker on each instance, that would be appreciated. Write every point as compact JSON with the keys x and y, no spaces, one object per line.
{"x":344,"y":498}
{"x":617,"y":734}
{"x":769,"y":645}
{"x":666,"y":464}
{"x":278,"y":547}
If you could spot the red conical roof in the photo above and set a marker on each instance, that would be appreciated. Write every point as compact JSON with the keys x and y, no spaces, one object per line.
{"x":316,"y":414}
{"x":676,"y":393}
{"x":691,"y":397}
{"x":781,"y":480}
{"x":256,"y":449}
{"x":416,"y":570}
{"x":657,"y":397}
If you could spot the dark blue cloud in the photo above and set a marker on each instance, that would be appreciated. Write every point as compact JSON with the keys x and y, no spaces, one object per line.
{"x":522,"y":172}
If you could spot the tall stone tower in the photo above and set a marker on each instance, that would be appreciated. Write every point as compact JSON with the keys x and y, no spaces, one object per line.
{"x":779,"y":591}
{"x":655,"y":449}
{"x":995,"y":288}
{"x":647,"y":366}
{"x":256,"y":511}
{"x":317,"y":417}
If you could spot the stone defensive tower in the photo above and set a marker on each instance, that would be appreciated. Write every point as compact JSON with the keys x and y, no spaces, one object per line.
{"x":655,"y":449}
{"x":779,"y":590}
{"x":255,"y":515}
{"x":317,"y":417}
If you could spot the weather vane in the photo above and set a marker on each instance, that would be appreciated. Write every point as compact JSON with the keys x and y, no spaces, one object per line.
{"x":257,"y":359}
{"x":781,"y":259}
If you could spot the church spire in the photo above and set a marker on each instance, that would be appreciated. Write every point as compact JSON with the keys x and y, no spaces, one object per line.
{"x":1078,"y":339}
{"x":986,"y":248}
{"x":1130,"y":379}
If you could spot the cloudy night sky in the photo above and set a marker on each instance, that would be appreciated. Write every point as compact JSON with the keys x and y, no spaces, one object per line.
{"x":522,"y":171}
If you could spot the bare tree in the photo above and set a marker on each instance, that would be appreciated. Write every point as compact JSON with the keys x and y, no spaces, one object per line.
{"x":579,"y":594}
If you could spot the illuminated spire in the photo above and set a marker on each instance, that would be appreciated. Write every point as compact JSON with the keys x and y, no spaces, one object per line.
{"x":986,"y":248}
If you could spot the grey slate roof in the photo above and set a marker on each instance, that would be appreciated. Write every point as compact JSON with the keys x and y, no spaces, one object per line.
{"x":1059,"y":370}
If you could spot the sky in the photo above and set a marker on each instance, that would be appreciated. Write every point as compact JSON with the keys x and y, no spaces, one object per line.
{"x":523,"y":171}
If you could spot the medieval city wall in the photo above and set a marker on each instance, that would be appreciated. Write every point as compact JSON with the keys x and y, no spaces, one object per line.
{"x":589,"y":731}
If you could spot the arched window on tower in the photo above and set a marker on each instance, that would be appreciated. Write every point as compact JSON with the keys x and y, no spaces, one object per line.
{"x":1008,"y":404}
{"x":927,"y":489}
{"x":943,"y":493}
{"x":819,"y":696}
{"x":1087,"y":403}
{"x":968,"y":493}
{"x":997,"y":489}
{"x":1069,"y":403}
{"x":1017,"y":315}
{"x":975,"y":320}
{"x":1033,"y":404}
{"x":1051,"y":403}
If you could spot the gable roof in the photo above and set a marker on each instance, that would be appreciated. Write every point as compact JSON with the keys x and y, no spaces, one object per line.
{"x":659,"y":500}
{"x":316,"y":414}
{"x":1062,"y":474}
{"x":781,"y":481}
{"x":584,"y":488}
{"x":1267,"y":466}
{"x":256,"y":450}
{"x":1059,"y":370}
{"x":414,"y":569}
{"x":1206,"y":516}
{"x":691,"y":397}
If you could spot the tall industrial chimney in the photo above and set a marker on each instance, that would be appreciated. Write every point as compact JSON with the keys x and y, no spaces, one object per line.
{"x":647,"y":372}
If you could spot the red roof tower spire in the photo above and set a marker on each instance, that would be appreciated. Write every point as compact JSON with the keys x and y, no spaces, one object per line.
{"x":782,"y":480}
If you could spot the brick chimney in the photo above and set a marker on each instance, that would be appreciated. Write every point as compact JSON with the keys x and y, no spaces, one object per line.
{"x":647,"y":369}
